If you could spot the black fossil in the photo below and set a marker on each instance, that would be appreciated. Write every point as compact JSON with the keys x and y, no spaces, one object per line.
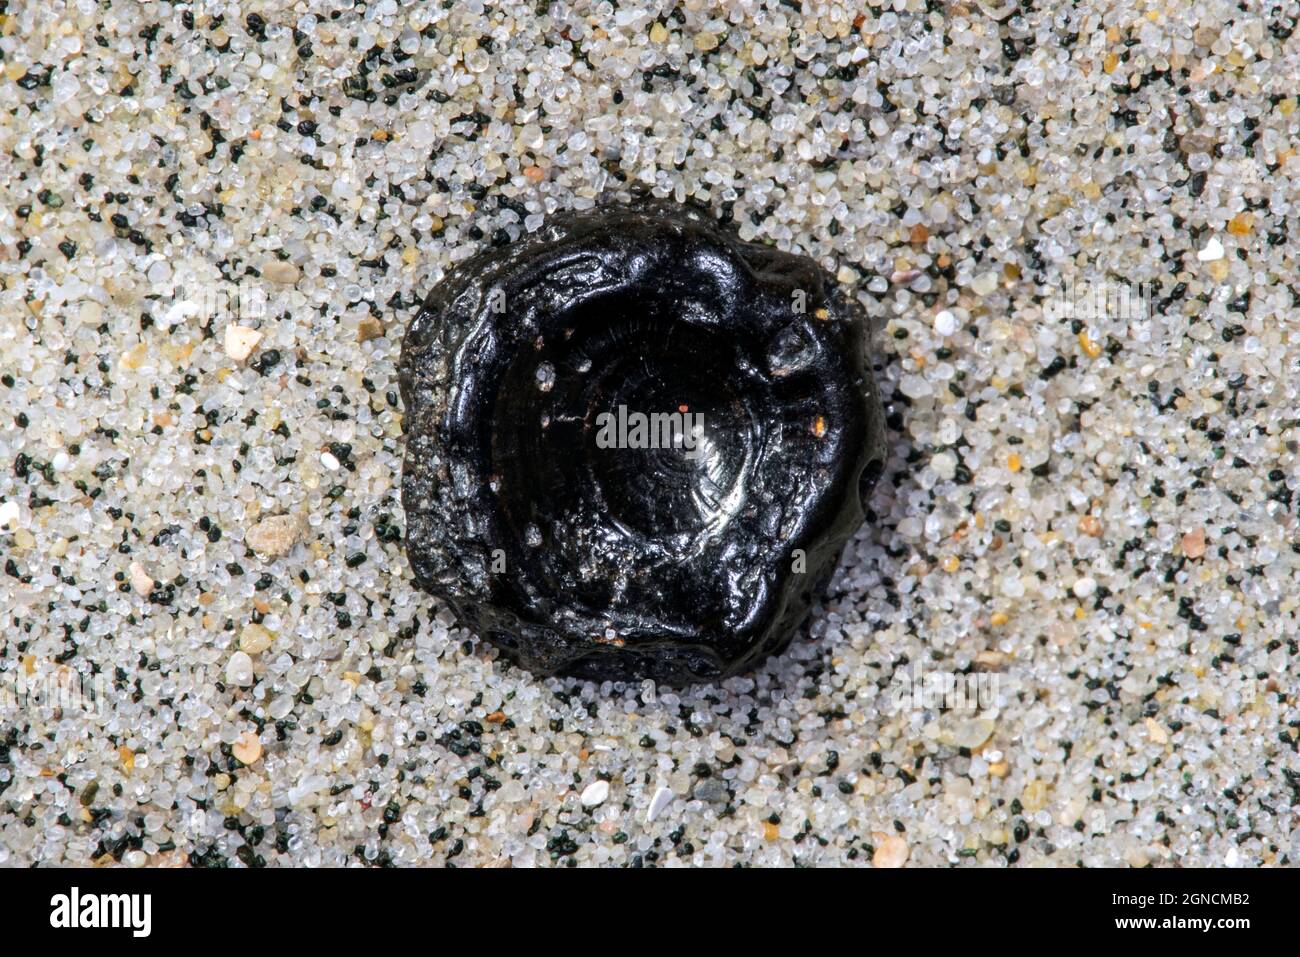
{"x":556,"y":504}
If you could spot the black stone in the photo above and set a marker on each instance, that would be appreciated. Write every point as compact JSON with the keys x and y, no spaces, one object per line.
{"x":683,"y":563}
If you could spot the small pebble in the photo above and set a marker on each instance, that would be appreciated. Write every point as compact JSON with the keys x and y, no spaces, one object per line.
{"x":891,"y":851}
{"x":278,"y":271}
{"x":240,"y":341}
{"x":1085,"y":587}
{"x":1211,"y":251}
{"x":1034,"y":795}
{"x":710,"y":790}
{"x":274,"y":536}
{"x":973,"y":733}
{"x":1156,"y":732}
{"x":984,"y":284}
{"x":248,"y":749}
{"x":369,"y":328}
{"x":944,"y":465}
{"x":239,"y":669}
{"x":141,"y":583}
{"x":662,"y":798}
{"x":254,"y":639}
{"x":595,"y":793}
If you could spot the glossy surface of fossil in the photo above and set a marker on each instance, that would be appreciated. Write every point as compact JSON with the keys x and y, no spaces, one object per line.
{"x":685,"y":550}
